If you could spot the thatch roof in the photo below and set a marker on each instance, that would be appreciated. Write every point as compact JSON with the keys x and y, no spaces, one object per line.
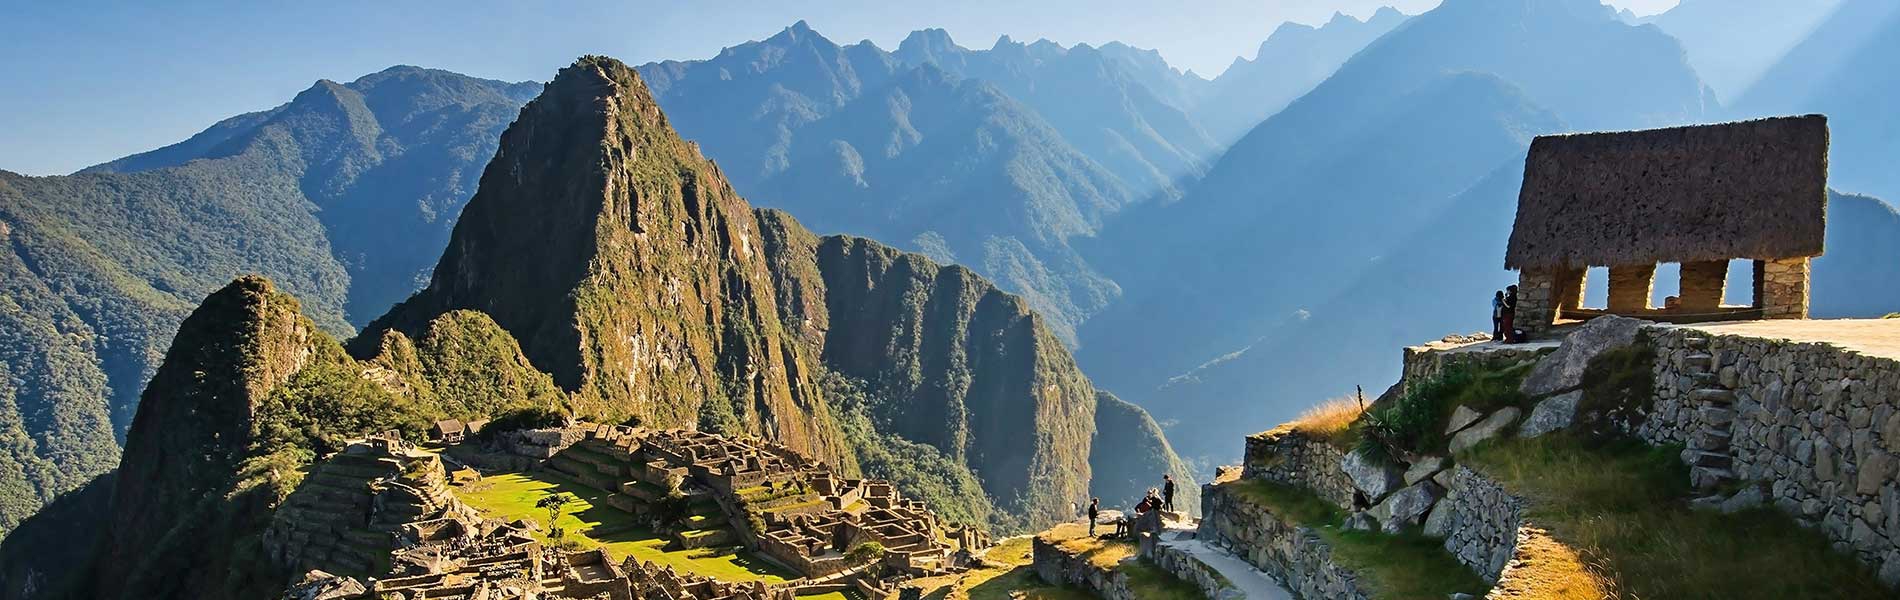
{"x":1754,"y":189}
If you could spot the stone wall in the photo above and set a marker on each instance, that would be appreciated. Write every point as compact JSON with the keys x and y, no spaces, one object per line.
{"x":1186,"y":567}
{"x":1291,"y":554}
{"x":1058,"y":567}
{"x":1429,"y":360}
{"x":1288,"y":457}
{"x":1818,"y":424}
{"x":1479,"y":522}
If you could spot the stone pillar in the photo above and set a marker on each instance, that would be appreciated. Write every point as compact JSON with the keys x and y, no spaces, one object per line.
{"x":1703,"y":283}
{"x":1630,"y":287}
{"x":1567,"y":288}
{"x":1781,"y":288}
{"x":1536,"y":301}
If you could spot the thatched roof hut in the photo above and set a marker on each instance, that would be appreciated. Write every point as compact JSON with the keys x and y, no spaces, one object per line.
{"x":1753,"y":189}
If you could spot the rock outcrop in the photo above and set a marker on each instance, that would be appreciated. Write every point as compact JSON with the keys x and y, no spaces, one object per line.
{"x":179,"y":491}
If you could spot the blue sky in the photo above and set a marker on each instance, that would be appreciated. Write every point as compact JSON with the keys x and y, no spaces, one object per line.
{"x":84,"y":81}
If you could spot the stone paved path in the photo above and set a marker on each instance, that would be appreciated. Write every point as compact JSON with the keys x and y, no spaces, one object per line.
{"x":1244,"y":576}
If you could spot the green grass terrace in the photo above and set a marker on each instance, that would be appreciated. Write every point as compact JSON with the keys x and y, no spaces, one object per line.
{"x":592,"y":522}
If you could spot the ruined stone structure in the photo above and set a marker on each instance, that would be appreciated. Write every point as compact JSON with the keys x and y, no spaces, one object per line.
{"x":429,"y":545}
{"x":1699,"y":196}
{"x":356,"y":506}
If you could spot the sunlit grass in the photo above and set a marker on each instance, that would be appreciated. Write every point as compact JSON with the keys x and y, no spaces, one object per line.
{"x":511,"y":496}
{"x":1330,"y":420}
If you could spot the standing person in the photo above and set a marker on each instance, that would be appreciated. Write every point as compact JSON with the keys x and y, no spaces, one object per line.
{"x":1167,"y":491}
{"x":1508,"y":317}
{"x":1095,"y":512}
{"x":1497,"y":316}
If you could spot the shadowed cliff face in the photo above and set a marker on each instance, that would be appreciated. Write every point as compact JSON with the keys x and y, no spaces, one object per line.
{"x":963,"y":366}
{"x":177,"y":485}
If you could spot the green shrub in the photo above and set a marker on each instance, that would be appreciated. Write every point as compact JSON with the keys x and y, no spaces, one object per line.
{"x":1413,"y":424}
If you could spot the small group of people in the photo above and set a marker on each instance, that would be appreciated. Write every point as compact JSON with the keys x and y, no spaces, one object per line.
{"x":1504,"y":316}
{"x":1155,"y":499}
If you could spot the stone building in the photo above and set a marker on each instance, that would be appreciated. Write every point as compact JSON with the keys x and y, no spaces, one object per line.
{"x":1699,"y":196}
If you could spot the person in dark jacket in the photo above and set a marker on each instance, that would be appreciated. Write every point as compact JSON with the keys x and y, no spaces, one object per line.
{"x":1095,"y":512}
{"x":1167,"y":491}
{"x":1508,"y":317}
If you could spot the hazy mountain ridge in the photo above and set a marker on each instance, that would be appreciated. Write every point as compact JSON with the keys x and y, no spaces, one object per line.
{"x":1292,"y":204}
{"x":1292,"y":60}
{"x":1845,"y":70}
{"x":856,"y":140}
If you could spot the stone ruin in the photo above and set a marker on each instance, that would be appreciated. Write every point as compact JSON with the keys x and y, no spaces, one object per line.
{"x":807,"y":520}
{"x":1699,"y":196}
{"x":357,"y":505}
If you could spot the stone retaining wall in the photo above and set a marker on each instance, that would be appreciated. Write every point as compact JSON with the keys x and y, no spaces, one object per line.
{"x":1291,"y":554}
{"x":1055,"y":566}
{"x":1429,"y":360}
{"x":1480,"y":521}
{"x":1294,"y":459}
{"x":1820,"y":425}
{"x":1186,"y":567}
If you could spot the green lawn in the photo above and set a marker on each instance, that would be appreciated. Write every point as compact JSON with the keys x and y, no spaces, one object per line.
{"x":512,"y":496}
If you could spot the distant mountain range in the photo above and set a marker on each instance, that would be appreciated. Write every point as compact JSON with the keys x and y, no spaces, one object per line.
{"x":1241,"y":246}
{"x":343,"y":195}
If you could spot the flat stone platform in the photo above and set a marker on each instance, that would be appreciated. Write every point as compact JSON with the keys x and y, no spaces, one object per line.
{"x":1872,"y":337}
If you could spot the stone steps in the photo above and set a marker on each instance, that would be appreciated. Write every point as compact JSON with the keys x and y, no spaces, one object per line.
{"x":1712,"y":396}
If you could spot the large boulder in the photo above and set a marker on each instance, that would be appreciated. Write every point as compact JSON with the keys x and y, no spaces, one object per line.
{"x":1407,"y":507}
{"x":1461,"y":418}
{"x":1489,"y":428}
{"x":1438,"y":522}
{"x":1563,"y":369}
{"x":1424,"y":468}
{"x":1372,"y":479}
{"x":1553,"y":413}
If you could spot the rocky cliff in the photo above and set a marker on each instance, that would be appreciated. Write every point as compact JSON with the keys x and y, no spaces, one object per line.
{"x":179,"y":488}
{"x":628,"y":268}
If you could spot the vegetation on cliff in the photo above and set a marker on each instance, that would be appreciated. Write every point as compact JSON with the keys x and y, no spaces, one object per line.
{"x":97,"y":269}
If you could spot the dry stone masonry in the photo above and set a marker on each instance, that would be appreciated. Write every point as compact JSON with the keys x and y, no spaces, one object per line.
{"x":1816,"y":424}
{"x":1290,"y":553}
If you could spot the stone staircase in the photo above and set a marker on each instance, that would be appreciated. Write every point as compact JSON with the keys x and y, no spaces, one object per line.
{"x":1710,"y":461}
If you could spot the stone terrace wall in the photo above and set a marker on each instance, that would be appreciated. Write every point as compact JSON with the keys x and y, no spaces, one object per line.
{"x":1294,"y":555}
{"x":1429,"y":360}
{"x":1819,"y":424}
{"x":1294,"y":459}
{"x":1055,"y":566}
{"x":1480,"y":522}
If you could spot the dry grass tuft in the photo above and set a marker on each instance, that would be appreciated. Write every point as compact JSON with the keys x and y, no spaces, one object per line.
{"x":1330,"y":420}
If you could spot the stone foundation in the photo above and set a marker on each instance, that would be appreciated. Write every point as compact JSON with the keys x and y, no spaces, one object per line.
{"x":1291,"y":554}
{"x":1429,"y":360}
